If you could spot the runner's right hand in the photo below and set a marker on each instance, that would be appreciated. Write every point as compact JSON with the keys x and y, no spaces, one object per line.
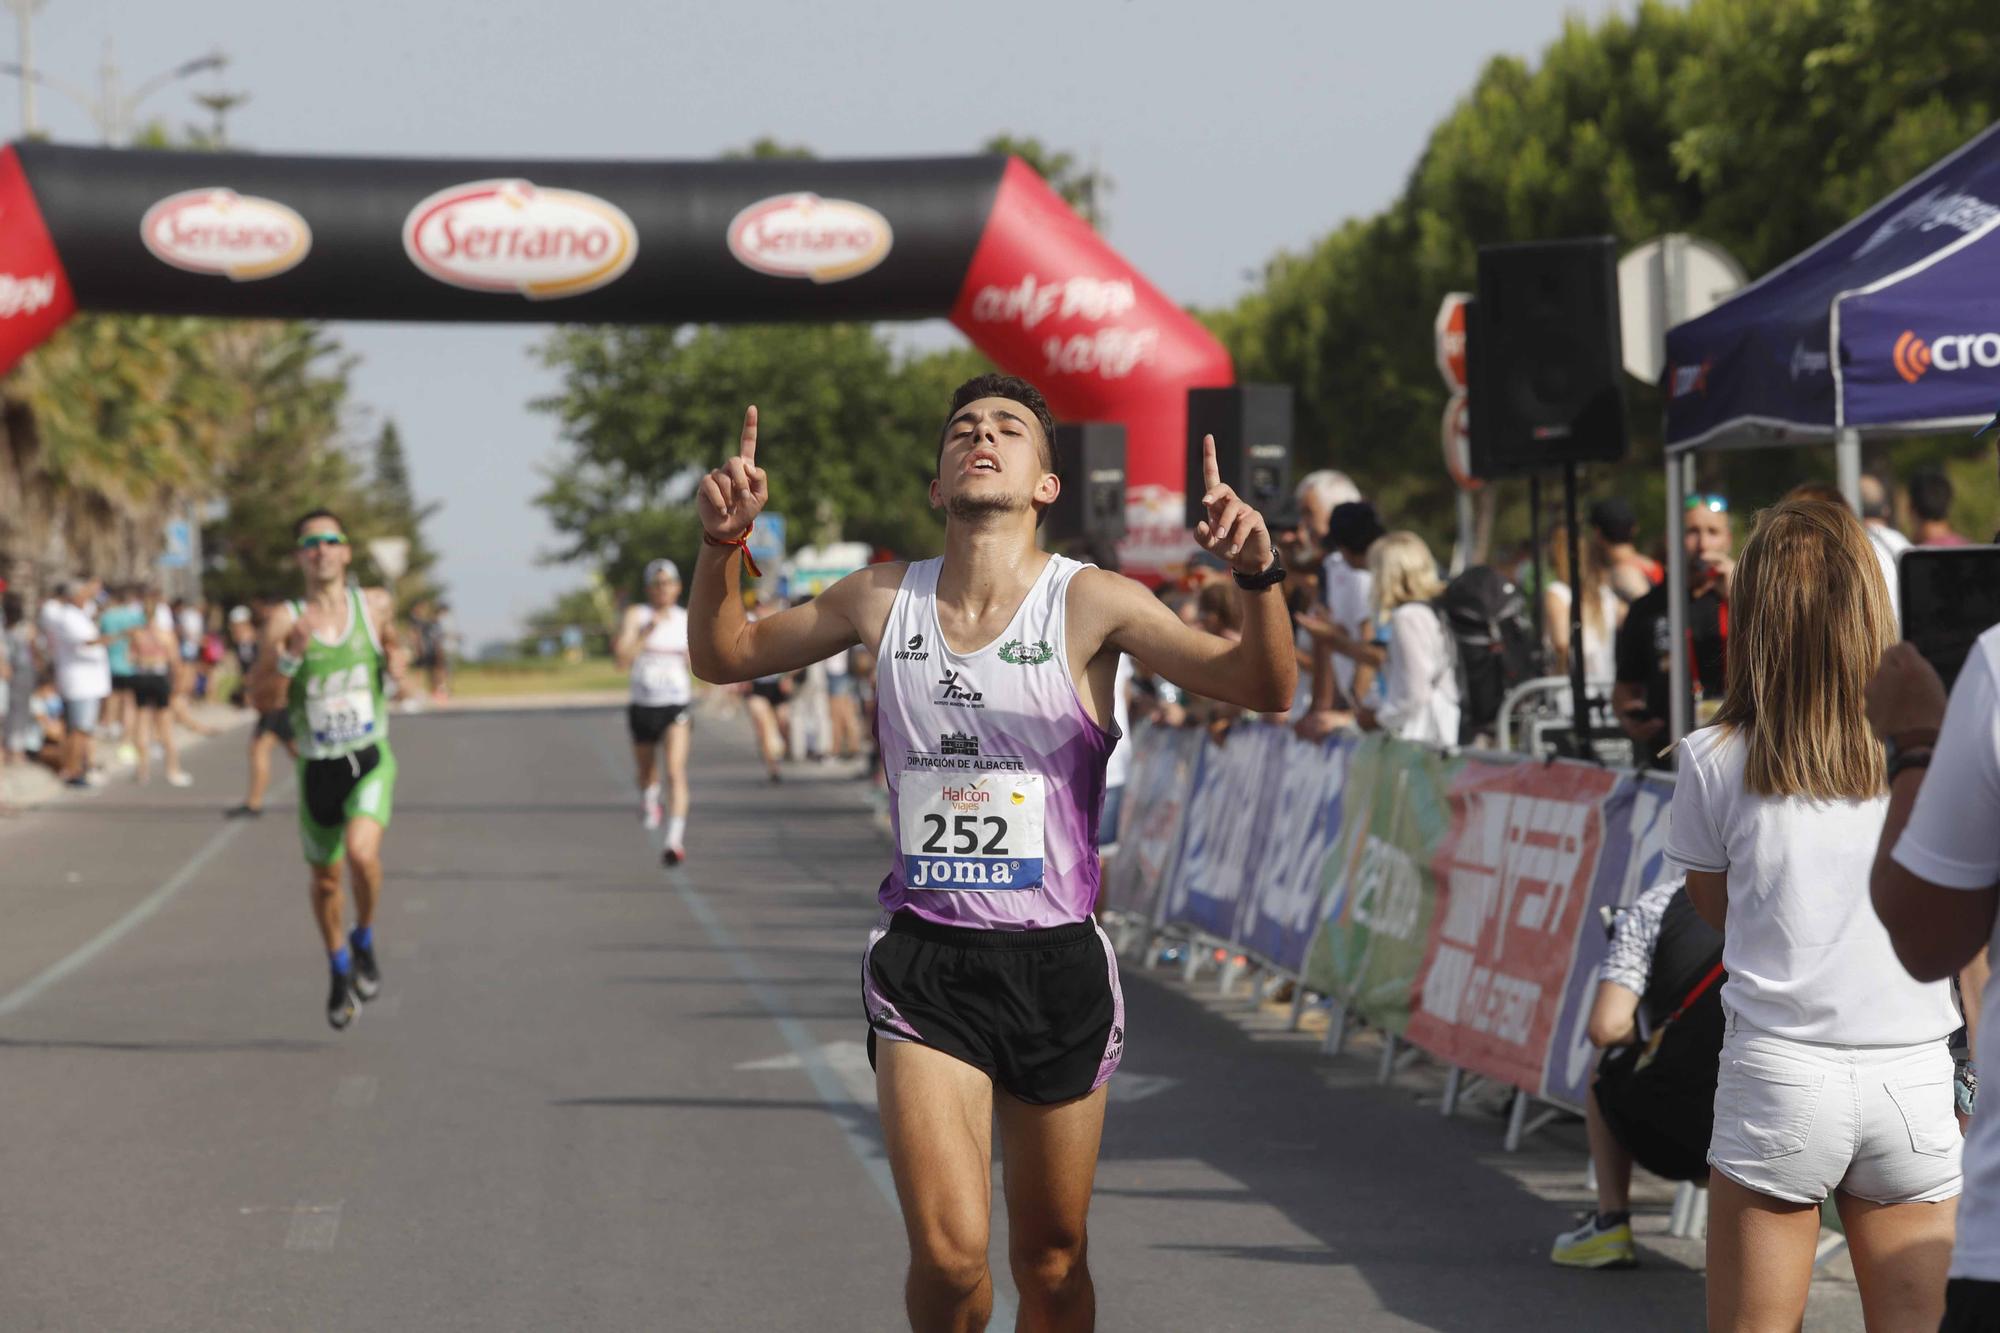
{"x":300,"y":635}
{"x":730,"y":498}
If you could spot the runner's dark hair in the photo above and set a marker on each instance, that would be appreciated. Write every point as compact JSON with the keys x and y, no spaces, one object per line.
{"x":299,"y":528}
{"x":1010,"y":387}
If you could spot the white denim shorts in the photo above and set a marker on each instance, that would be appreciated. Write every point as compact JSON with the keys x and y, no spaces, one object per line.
{"x":1797,"y":1120}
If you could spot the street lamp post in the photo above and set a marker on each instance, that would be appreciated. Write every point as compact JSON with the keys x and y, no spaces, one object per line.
{"x":110,"y":111}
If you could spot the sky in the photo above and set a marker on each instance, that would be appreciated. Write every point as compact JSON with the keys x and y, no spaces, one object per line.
{"x":1231,"y":132}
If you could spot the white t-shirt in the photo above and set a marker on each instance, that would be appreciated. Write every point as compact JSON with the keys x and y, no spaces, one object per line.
{"x":1119,"y":765}
{"x":1953,"y":840}
{"x":1420,"y":699}
{"x":1350,"y":604}
{"x":83,"y":668}
{"x":660,"y":675}
{"x":1889,"y":547}
{"x":1599,"y":659}
{"x":1808,"y":959}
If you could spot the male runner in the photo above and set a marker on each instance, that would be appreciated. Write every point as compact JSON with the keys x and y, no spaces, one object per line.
{"x":995,"y":679}
{"x":653,"y":645}
{"x":323,"y":659}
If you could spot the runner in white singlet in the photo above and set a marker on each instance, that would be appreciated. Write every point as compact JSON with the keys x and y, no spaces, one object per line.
{"x":653,"y":645}
{"x":987,"y":973}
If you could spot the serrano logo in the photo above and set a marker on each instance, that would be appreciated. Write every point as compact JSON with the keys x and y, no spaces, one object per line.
{"x":515,"y":236}
{"x":217,"y":230}
{"x":1913,"y":356}
{"x":805,"y":236}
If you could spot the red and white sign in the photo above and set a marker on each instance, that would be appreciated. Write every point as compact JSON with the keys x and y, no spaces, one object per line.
{"x":1514,"y":875}
{"x":1451,"y":340}
{"x":805,"y":236}
{"x":216,"y":230}
{"x":1457,"y":435}
{"x":35,"y":295}
{"x":515,"y":236}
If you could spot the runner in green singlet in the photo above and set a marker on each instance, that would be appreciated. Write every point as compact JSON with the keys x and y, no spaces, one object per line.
{"x":323,"y":659}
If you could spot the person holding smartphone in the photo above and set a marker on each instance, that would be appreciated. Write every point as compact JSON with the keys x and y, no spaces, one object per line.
{"x":1643,"y":649}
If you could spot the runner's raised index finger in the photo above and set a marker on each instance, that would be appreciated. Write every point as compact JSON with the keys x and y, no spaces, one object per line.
{"x":1211,"y":475}
{"x":749,"y":451}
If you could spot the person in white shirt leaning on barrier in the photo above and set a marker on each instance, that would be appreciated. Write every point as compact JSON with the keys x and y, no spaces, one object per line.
{"x":1836,"y":1076}
{"x":1935,"y":885}
{"x":1657,"y":1016}
{"x":1420,"y":695}
{"x":988,"y":988}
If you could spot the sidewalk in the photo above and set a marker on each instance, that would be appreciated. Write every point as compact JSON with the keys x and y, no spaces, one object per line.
{"x":27,"y":786}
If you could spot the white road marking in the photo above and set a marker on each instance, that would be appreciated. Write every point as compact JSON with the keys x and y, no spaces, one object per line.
{"x":31,"y":990}
{"x":315,"y":1226}
{"x":848,"y":1060}
{"x":355,"y":1091}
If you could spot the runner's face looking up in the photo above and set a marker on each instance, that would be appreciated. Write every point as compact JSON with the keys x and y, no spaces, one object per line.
{"x":324,"y":562}
{"x":993,"y":461}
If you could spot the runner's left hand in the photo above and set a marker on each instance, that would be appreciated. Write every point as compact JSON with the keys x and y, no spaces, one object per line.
{"x":1233,"y":531}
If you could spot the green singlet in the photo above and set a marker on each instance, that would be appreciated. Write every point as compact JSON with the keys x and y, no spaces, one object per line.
{"x":338,"y":714}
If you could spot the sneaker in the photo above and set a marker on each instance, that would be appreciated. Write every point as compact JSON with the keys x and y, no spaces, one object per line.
{"x":673,"y":856}
{"x":243,"y":812}
{"x":651,"y":810}
{"x":367,"y":977}
{"x":340,"y":1006}
{"x":180,"y":779}
{"x":1591,"y":1246}
{"x":80,"y":783}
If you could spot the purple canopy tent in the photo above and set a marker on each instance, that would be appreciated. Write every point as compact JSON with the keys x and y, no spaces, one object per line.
{"x":1890,"y":326}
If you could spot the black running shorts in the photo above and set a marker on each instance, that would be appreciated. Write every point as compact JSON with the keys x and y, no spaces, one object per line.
{"x":1970,"y":1306}
{"x":151,"y":692}
{"x":647,"y":724}
{"x":1040,"y":1011}
{"x":277,"y":722}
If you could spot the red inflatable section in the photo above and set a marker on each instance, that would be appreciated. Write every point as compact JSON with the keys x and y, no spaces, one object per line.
{"x":35,"y":297}
{"x":1048,"y":300}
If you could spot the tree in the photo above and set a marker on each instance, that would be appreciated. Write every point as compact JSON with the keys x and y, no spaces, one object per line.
{"x":848,"y":432}
{"x":404,"y":517}
{"x":1083,"y":190}
{"x":1759,"y":124}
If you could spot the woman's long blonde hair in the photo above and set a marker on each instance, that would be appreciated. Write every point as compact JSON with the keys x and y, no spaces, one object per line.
{"x":1404,"y":570}
{"x":1809,"y":620}
{"x":1590,"y":587}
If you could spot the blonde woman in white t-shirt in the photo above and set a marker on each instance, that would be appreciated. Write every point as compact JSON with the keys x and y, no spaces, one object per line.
{"x":1419,"y":700}
{"x":1835,"y":1074}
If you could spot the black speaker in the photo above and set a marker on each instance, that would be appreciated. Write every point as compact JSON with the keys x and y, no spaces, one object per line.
{"x":1090,"y":462}
{"x":1252,"y":426}
{"x":1544,"y":361}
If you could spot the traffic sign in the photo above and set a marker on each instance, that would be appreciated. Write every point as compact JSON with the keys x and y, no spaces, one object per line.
{"x":1668,"y":281}
{"x":1457,"y":434}
{"x":179,"y":552}
{"x":1451,"y":339}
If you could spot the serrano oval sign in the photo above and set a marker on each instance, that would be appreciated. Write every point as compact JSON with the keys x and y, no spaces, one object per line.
{"x":216,"y":230}
{"x":805,"y":236}
{"x":515,"y":236}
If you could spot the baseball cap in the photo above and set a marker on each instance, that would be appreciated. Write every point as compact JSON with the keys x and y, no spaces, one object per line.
{"x":1613,"y":517}
{"x":655,"y":568}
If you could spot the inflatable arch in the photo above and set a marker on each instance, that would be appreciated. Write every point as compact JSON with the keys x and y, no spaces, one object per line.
{"x":982,"y":240}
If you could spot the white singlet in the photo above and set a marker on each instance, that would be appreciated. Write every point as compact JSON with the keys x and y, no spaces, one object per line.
{"x":660,"y":675}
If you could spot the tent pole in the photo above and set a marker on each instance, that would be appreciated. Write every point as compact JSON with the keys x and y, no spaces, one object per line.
{"x":1677,"y":600}
{"x":1847,"y":465}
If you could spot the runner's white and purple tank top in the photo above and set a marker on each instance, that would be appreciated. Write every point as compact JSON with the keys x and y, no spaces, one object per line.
{"x":996,"y":772}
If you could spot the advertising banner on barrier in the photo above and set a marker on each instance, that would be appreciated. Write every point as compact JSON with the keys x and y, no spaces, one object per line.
{"x":1632,"y":861}
{"x":1164,"y":760}
{"x":1514,"y":875}
{"x":1227,"y":820}
{"x":1282,"y":910}
{"x":1377,"y":882}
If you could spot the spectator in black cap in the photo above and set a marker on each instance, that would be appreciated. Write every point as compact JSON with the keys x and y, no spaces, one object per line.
{"x":1345,"y":654}
{"x":1630,"y":574}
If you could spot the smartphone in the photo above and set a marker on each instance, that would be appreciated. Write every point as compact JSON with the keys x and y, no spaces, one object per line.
{"x":1950,"y":596}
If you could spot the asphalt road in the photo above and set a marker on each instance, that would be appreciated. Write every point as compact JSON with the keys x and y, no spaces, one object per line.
{"x":597,"y":1095}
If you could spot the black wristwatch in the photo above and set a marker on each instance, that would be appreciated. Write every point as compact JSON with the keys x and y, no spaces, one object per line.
{"x":1275,"y":573}
{"x":1909,"y":749}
